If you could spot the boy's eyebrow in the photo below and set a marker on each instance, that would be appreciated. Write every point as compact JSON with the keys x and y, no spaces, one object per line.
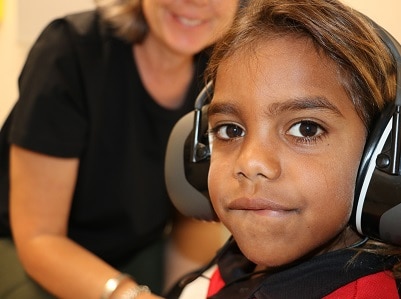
{"x":222,"y":108}
{"x":301,"y":103}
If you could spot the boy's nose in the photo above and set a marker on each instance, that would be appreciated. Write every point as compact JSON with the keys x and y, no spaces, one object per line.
{"x":258,"y":160}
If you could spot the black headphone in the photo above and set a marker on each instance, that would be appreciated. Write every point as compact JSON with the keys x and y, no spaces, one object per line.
{"x":377,"y":204}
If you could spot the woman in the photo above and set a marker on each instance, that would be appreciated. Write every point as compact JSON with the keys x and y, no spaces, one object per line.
{"x":83,"y":196}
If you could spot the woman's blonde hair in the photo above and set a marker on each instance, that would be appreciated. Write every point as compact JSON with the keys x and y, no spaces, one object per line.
{"x":125,"y":17}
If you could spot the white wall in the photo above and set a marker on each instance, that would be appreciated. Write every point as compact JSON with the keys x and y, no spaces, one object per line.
{"x":34,"y":14}
{"x":387,"y":13}
{"x":24,"y":19}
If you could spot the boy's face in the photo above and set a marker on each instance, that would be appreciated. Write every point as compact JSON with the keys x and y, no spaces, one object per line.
{"x":287,"y":144}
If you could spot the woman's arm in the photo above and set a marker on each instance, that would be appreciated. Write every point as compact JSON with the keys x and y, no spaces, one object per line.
{"x":41,"y":190}
{"x":193,"y":244}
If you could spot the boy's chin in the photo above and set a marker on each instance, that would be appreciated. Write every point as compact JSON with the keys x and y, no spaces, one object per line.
{"x":264,"y":254}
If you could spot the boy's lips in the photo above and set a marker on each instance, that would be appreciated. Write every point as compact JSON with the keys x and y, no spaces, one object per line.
{"x":258,"y":204}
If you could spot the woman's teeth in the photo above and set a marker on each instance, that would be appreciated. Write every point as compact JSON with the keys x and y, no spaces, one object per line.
{"x":189,"y":22}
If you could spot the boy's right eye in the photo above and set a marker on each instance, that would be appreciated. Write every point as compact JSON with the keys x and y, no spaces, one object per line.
{"x":227,"y":131}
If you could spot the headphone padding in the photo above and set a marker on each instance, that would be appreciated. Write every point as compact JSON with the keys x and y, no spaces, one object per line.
{"x":185,"y":197}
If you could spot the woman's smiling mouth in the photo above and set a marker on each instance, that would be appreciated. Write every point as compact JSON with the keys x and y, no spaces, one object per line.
{"x":189,"y":22}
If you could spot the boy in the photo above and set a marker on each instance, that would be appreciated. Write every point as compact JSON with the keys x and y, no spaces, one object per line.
{"x":297,"y":87}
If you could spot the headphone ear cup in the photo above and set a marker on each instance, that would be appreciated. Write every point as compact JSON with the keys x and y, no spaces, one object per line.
{"x":377,"y":205}
{"x":186,"y":181}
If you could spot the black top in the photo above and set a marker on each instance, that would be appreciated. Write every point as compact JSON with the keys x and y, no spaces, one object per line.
{"x":81,"y":96}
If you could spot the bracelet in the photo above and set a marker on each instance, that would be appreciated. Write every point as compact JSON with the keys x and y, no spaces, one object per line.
{"x":112,"y":284}
{"x":136,"y":291}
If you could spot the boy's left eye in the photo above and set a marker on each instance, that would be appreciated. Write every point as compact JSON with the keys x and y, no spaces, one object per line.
{"x":305,"y":129}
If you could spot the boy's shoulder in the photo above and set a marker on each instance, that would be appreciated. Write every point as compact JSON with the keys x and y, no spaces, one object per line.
{"x":378,"y":285}
{"x":317,"y":277}
{"x":328,"y":276}
{"x":328,"y":273}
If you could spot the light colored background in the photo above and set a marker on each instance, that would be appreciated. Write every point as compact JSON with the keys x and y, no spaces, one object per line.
{"x":21,"y":23}
{"x":24,"y":19}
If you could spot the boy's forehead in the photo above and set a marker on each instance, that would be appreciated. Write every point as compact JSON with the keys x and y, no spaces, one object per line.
{"x":278,"y":55}
{"x":271,"y":48}
{"x":284,"y":69}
